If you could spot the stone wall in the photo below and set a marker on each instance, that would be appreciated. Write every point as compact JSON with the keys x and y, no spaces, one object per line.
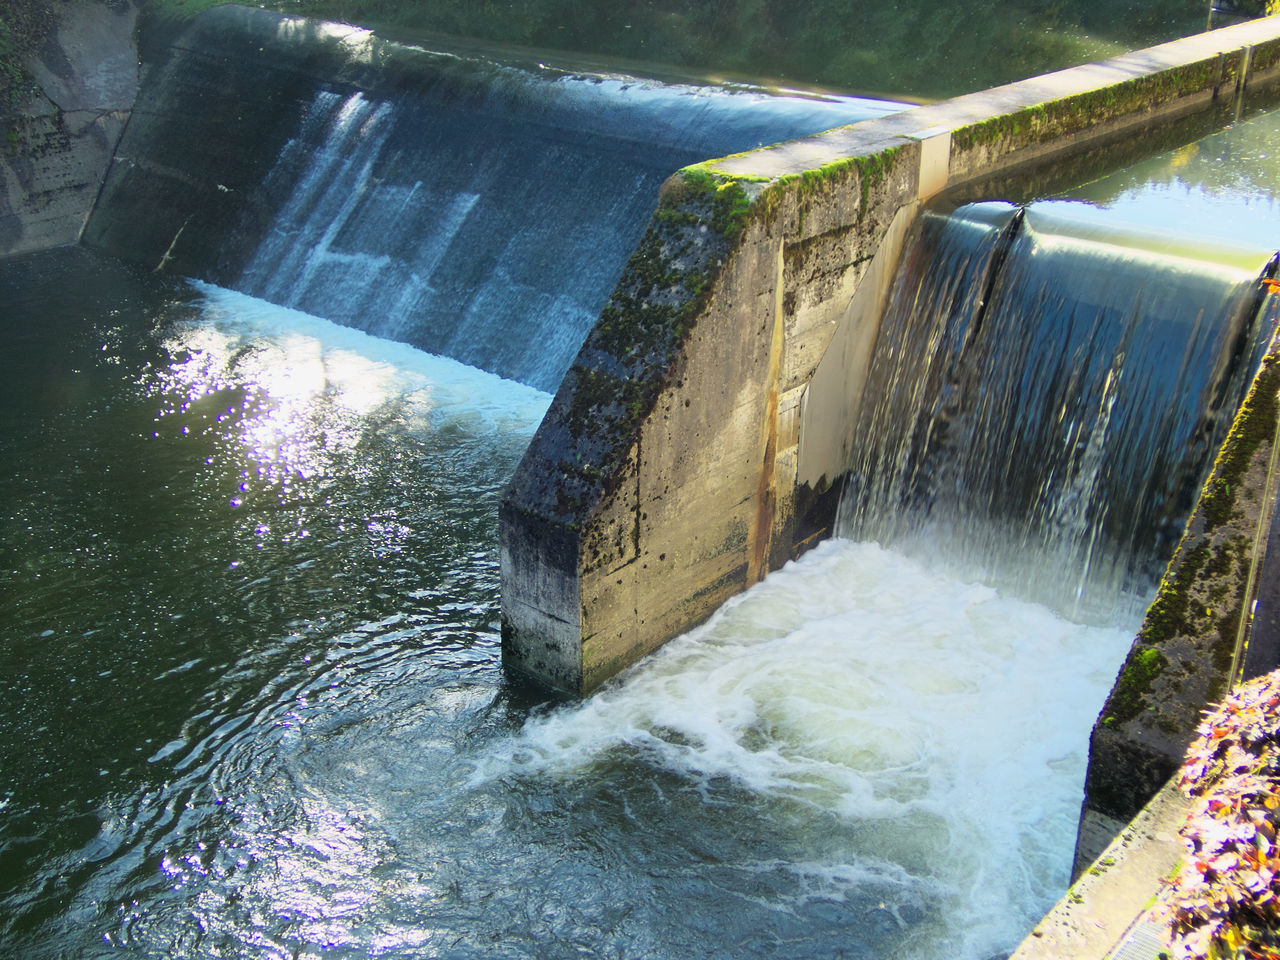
{"x":55,"y":147}
{"x":697,"y":441}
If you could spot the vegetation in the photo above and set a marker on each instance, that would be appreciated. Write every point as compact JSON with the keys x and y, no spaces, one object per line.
{"x":1226,"y":897}
{"x":918,"y":47}
{"x":1257,"y":8}
{"x":23,"y":27}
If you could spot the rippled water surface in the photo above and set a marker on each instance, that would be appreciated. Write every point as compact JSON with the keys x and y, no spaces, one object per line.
{"x":231,"y":534}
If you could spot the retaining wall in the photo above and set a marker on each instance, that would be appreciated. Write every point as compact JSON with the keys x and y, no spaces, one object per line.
{"x":699,"y":438}
{"x":55,"y":147}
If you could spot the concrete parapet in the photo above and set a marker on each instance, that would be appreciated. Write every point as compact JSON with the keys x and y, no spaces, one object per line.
{"x":697,"y":441}
{"x":662,"y":480}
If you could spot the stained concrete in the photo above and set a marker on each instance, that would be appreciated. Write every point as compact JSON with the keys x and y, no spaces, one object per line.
{"x":56,"y":147}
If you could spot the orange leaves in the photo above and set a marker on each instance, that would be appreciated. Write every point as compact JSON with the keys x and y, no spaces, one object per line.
{"x":1226,"y":899}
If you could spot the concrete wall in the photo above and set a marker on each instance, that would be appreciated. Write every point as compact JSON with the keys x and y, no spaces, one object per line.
{"x":55,"y":147}
{"x":696,"y":442}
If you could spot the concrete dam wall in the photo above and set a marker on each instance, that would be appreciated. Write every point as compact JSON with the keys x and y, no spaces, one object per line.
{"x":474,"y":209}
{"x":698,"y":440}
{"x":706,"y":386}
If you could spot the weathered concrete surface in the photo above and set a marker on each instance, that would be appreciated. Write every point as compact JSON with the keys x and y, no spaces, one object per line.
{"x":655,"y":490}
{"x":56,"y":147}
{"x":662,"y":480}
{"x":1191,"y":646}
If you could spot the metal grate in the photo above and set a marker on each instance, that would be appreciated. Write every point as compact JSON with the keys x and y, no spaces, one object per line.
{"x":1144,"y":941}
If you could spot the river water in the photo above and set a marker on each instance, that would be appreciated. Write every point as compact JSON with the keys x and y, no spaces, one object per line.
{"x":252,"y":704}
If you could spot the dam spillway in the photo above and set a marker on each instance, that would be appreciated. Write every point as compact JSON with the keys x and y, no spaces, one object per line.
{"x":467,"y":207}
{"x":256,"y":551}
{"x":1045,"y":397}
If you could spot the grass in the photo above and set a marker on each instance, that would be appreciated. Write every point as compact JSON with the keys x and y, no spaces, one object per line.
{"x":915,"y":47}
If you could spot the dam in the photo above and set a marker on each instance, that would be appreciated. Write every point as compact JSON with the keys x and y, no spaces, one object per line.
{"x":254,"y":626}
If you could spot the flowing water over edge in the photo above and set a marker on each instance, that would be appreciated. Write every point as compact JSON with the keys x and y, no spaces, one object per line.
{"x":1045,"y":399}
{"x":489,"y":209}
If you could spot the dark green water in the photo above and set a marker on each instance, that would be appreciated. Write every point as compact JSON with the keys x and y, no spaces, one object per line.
{"x":204,"y":543}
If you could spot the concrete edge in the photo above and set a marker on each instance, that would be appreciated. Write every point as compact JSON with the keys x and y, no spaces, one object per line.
{"x":1102,"y":909}
{"x":1011,"y":122}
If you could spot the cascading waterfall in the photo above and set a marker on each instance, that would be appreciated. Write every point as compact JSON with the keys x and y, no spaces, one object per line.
{"x":487,"y":215}
{"x":1044,"y":401}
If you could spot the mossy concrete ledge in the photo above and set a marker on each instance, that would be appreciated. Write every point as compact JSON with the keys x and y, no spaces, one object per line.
{"x":699,"y":439}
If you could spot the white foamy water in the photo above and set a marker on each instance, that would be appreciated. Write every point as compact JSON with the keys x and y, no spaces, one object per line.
{"x":948,"y":720}
{"x":294,"y":355}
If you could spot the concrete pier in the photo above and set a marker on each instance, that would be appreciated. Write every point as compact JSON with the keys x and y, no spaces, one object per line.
{"x":56,"y":146}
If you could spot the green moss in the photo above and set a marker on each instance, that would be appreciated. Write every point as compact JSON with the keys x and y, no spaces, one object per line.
{"x":871,"y":170}
{"x":1167,"y":615}
{"x":22,"y":28}
{"x":666,"y":285}
{"x":1171,"y":614}
{"x":1129,"y":696}
{"x":1267,"y":55}
{"x":698,"y":182}
{"x":1254,"y":425}
{"x":1047,"y":121}
{"x":731,"y":206}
